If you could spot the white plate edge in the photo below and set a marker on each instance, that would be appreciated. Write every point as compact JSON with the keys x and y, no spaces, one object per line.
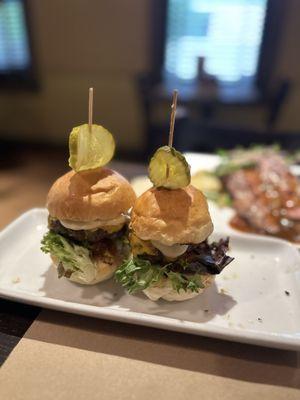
{"x":282,"y":341}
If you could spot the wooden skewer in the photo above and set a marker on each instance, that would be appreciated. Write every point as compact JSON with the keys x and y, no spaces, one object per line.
{"x":172,"y":123}
{"x":91,"y":101}
{"x":173,"y":115}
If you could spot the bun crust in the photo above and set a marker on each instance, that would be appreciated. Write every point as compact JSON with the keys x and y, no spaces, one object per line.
{"x":172,"y":216}
{"x":164,"y":290}
{"x":90,"y":195}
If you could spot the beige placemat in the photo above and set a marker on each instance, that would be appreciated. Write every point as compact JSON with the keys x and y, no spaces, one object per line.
{"x":65,"y":356}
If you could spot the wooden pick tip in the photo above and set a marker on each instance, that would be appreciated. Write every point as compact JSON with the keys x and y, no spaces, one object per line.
{"x":173,"y":112}
{"x":91,"y":92}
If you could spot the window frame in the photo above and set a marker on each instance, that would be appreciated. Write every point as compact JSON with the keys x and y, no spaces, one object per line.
{"x":275,"y":16}
{"x":26,"y":79}
{"x":267,"y":52}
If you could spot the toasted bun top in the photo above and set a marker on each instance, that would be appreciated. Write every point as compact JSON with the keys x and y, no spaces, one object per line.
{"x":172,"y":216}
{"x":90,"y":195}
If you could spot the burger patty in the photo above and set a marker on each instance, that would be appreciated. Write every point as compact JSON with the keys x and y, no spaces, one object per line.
{"x":98,"y":241}
{"x":106,"y":245}
{"x":201,"y":258}
{"x":90,"y":236}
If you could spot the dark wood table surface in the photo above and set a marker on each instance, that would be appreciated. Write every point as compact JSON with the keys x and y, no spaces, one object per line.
{"x":25,"y":178}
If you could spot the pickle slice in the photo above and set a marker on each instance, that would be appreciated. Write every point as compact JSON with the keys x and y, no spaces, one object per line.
{"x":168,"y":168}
{"x":90,"y":149}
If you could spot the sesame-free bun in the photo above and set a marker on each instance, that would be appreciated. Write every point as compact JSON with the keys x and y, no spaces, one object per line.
{"x":172,"y":216}
{"x":90,"y":195}
{"x":164,"y":290}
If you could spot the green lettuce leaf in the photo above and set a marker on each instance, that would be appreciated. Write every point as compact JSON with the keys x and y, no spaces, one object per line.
{"x":72,"y":258}
{"x":221,"y":198}
{"x":243,"y":158}
{"x":138,"y":274}
{"x":184,"y":282}
{"x":229,"y":167}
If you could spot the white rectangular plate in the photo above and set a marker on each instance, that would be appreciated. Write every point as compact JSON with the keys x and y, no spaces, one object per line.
{"x":256,"y":299}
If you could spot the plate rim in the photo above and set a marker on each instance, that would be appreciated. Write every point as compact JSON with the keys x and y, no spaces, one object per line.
{"x":274,"y":340}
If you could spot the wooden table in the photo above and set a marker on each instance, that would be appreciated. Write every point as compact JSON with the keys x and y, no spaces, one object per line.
{"x":238,"y":370}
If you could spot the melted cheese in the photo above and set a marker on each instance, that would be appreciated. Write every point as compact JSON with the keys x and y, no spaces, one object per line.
{"x":170,"y":251}
{"x":150,"y":247}
{"x":98,"y":223}
{"x":139,"y":246}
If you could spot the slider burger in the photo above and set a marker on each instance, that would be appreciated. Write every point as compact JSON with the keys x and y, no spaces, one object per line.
{"x":88,"y":209}
{"x":170,"y":225}
{"x":87,"y":223}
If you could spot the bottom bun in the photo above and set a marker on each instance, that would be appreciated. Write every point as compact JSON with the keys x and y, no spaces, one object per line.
{"x":102,"y":272}
{"x":164,"y":290}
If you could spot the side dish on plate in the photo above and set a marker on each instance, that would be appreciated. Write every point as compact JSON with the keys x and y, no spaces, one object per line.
{"x":260,"y":187}
{"x":88,"y":210}
{"x":170,"y":224}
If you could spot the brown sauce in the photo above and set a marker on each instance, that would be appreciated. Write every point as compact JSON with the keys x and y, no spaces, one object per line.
{"x":290,"y":234}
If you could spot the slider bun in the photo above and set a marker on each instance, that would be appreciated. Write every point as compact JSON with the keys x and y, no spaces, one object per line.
{"x":164,"y":290}
{"x":172,"y":216}
{"x":90,"y":195}
{"x":103,"y":271}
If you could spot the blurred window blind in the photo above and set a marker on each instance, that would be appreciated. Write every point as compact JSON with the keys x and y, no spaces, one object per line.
{"x":227,"y":33}
{"x":14,"y":48}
